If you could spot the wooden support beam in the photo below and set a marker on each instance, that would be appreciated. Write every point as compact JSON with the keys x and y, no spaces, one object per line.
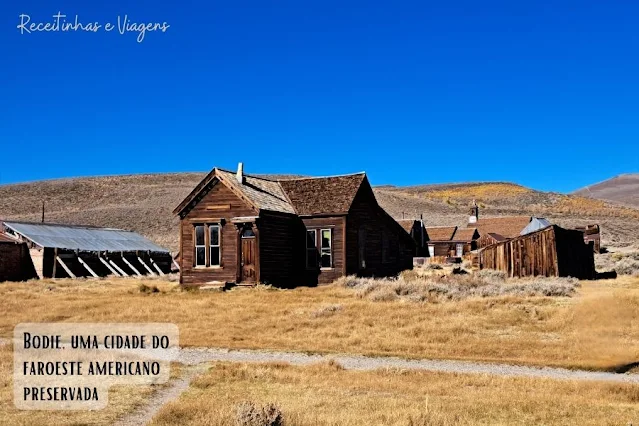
{"x":146,"y":266}
{"x":64,"y":265}
{"x":87,"y":267}
{"x":124,"y":274}
{"x":109,"y":266}
{"x":176,"y":264}
{"x":55,"y":256}
{"x":133,"y":268}
{"x":157,"y":268}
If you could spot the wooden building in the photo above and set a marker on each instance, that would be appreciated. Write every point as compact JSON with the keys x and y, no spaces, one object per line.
{"x":238,"y":228}
{"x":592,"y":235}
{"x":446,"y":242}
{"x":70,"y":251}
{"x":416,"y":229}
{"x":502,"y":226}
{"x":15,"y":261}
{"x":552,"y":251}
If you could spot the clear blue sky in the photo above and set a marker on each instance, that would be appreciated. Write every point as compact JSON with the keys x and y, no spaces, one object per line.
{"x":542,"y":94}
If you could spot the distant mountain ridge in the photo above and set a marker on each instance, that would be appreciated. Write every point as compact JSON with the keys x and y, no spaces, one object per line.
{"x":623,"y":189}
{"x":144,"y":203}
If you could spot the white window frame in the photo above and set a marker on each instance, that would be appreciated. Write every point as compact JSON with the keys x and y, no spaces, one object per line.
{"x":431,"y":250}
{"x":197,"y":246}
{"x":322,"y":250}
{"x":218,"y":245}
{"x":459,"y":249}
{"x":314,"y":231}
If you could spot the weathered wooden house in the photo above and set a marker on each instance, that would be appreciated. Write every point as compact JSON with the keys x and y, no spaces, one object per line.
{"x":501,"y":226}
{"x":450,"y":241}
{"x":15,"y":261}
{"x":70,"y":251}
{"x":246,"y":229}
{"x":552,"y":251}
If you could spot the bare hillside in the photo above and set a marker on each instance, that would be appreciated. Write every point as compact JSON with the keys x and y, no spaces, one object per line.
{"x":144,"y":203}
{"x":623,"y":189}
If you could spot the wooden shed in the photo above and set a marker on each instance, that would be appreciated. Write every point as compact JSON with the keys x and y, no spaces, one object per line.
{"x":71,"y":251}
{"x":552,"y":251}
{"x":592,"y":235}
{"x":245,"y":229}
{"x":15,"y":261}
{"x":489,"y":239}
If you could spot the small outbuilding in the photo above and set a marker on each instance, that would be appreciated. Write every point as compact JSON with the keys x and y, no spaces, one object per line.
{"x":15,"y":261}
{"x":552,"y":251}
{"x":415,"y":228}
{"x":70,"y":251}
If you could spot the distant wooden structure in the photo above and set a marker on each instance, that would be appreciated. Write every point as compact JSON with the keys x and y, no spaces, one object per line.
{"x":71,"y":251}
{"x":592,"y":235}
{"x":489,"y":239}
{"x":552,"y":251}
{"x":450,"y":242}
{"x":15,"y":261}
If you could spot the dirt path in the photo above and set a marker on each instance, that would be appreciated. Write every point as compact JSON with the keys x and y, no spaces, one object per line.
{"x":145,"y":413}
{"x":354,"y":362}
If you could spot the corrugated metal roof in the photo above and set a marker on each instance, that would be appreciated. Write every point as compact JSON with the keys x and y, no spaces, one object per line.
{"x":535,"y":224}
{"x":83,"y":238}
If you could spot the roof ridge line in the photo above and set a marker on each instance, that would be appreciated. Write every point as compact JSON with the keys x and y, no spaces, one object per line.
{"x":321,"y":177}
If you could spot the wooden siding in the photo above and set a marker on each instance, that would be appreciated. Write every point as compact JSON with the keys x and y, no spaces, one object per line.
{"x":208,"y":210}
{"x":15,"y":262}
{"x":553,"y":251}
{"x":280,"y":246}
{"x":325,"y":275}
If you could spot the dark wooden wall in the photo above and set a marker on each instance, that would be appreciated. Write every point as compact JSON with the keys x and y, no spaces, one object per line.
{"x":219,"y":203}
{"x":280,"y":243}
{"x":366,"y":214}
{"x":15,"y":262}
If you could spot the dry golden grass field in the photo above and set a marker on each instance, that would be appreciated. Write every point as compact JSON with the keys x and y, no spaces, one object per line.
{"x":597,"y":328}
{"x":324,"y":394}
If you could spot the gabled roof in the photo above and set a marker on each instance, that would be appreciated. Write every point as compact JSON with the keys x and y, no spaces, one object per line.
{"x":83,"y":238}
{"x":323,"y":195}
{"x":535,"y":225}
{"x":440,"y":233}
{"x":265,"y":194}
{"x":507,"y":226}
{"x":301,"y":196}
{"x":465,"y":234}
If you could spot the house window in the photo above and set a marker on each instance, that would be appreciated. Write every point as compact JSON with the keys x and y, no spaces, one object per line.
{"x":460,"y":249}
{"x":311,"y":248}
{"x":208,"y":247}
{"x":200,"y":246}
{"x":326,"y":248}
{"x":214,"y":245}
{"x":431,"y":250}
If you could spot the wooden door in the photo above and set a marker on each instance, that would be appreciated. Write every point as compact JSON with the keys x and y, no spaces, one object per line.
{"x":248,"y":260}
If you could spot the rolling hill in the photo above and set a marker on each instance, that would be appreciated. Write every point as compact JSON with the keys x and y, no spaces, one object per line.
{"x":144,"y":203}
{"x":623,"y":189}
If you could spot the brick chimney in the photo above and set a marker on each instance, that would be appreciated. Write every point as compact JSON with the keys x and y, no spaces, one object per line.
{"x":240,"y":173}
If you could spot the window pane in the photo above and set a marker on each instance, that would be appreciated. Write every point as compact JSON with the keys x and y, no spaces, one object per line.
{"x":215,"y":256}
{"x":326,"y":238}
{"x":199,"y":235}
{"x":310,"y":239}
{"x":248,"y":233}
{"x":215,"y":235}
{"x":200,"y":256}
{"x":326,"y":259}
